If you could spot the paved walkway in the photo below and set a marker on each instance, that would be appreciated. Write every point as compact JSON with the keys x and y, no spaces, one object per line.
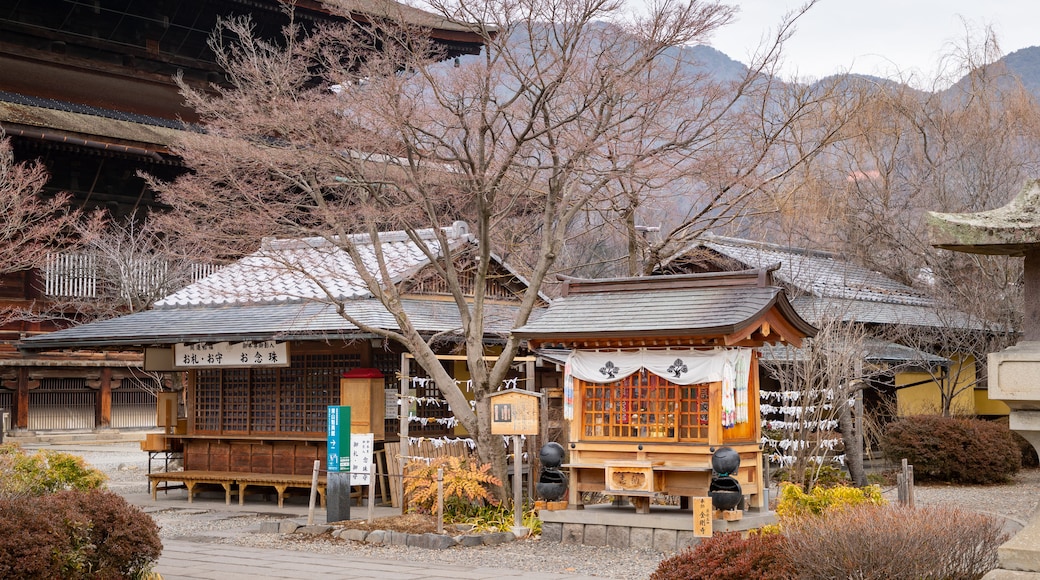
{"x":183,"y":559}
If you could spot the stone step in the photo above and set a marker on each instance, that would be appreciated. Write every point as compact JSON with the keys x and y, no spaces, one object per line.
{"x":24,"y":437}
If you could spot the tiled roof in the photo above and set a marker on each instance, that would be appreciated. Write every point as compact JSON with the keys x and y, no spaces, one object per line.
{"x":310,"y":269}
{"x":690,"y":305}
{"x":236,"y":323}
{"x":878,"y":351}
{"x":832,"y":286}
{"x":259,"y":298}
{"x":818,"y":273}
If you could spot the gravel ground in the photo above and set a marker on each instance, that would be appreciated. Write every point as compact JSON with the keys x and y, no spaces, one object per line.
{"x":126,"y":467}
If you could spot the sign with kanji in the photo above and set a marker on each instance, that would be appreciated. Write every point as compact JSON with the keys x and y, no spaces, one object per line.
{"x":337,"y":443}
{"x":264,"y":353}
{"x":702,"y":515}
{"x":361,"y":445}
{"x":515,"y":412}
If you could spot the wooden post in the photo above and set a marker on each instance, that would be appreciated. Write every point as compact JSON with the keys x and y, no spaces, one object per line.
{"x":402,"y":421}
{"x":518,"y":477}
{"x":372,"y":478}
{"x":314,"y":492}
{"x":440,"y":500}
{"x":104,"y":400}
{"x":21,"y":403}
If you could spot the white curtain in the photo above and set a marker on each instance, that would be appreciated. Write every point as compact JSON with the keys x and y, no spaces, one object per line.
{"x":680,"y":366}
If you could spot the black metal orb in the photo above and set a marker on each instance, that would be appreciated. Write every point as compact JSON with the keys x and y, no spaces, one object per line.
{"x":551,"y":454}
{"x":552,"y":484}
{"x":725,"y":493}
{"x":725,"y":460}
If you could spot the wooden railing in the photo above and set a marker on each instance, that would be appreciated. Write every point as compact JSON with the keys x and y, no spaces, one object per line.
{"x":85,"y":275}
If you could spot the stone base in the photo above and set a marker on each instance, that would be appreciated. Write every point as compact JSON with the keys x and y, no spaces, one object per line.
{"x":1022,"y":552}
{"x":664,"y":529}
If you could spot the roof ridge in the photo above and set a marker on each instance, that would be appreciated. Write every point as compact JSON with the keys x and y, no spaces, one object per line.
{"x":731,"y":241}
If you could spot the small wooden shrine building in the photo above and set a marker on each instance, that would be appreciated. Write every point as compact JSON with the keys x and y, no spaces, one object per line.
{"x":663,"y":372}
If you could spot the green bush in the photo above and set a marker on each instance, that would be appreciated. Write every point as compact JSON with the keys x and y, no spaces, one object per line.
{"x":730,"y":557}
{"x":870,"y":542}
{"x":953,"y":449}
{"x":44,"y":472}
{"x":76,"y":534}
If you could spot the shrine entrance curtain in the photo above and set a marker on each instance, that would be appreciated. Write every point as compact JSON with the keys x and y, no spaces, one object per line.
{"x":679,"y":366}
{"x":731,"y":367}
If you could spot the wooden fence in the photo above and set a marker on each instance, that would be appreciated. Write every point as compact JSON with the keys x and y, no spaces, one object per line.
{"x":423,"y":449}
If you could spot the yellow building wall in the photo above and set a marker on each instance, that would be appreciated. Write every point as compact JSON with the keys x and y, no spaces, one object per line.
{"x":925,"y":398}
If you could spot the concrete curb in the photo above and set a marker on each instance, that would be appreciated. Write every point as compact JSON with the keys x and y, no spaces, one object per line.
{"x":430,"y":541}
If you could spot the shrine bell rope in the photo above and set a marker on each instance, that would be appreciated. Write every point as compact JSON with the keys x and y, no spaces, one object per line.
{"x":731,"y":367}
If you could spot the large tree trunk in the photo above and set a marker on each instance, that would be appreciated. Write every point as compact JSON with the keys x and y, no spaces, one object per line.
{"x":853,"y":438}
{"x":491,"y":449}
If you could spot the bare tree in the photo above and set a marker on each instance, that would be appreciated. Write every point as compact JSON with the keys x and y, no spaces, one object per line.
{"x":323,"y":135}
{"x":819,"y":385}
{"x":32,"y":223}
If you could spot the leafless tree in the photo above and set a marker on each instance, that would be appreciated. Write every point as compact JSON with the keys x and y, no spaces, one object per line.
{"x":33,"y":222}
{"x":820,"y":384}
{"x":323,"y":135}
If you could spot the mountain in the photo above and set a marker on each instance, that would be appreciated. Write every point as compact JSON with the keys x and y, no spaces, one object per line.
{"x":1025,"y":63}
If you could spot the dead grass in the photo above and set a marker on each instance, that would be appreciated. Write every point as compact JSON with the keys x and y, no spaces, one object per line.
{"x":408,"y":523}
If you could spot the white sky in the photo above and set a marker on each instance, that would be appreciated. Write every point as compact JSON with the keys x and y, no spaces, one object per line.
{"x":877,"y":37}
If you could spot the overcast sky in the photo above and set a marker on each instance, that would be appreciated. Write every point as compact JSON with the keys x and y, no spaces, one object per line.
{"x":878,"y":37}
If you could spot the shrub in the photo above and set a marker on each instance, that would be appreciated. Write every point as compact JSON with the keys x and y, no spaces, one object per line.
{"x":44,"y":472}
{"x":1029,"y":456}
{"x":466,"y":485}
{"x":75,"y":534}
{"x":795,"y":503}
{"x":497,"y":518}
{"x":953,"y":449}
{"x":892,"y":542}
{"x":730,"y":557}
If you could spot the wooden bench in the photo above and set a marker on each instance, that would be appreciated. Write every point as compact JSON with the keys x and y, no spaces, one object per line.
{"x":191,"y":479}
{"x":281,"y":482}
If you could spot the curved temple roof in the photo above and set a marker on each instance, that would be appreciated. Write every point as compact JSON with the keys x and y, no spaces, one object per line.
{"x":716,"y":309}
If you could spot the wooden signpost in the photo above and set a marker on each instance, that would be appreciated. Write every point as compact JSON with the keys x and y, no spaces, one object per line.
{"x":702,"y":516}
{"x":515,"y":412}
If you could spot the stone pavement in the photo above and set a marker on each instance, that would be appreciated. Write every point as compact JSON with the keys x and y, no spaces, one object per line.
{"x":183,"y":559}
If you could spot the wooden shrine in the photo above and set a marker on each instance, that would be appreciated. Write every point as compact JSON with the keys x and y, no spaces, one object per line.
{"x":663,"y":372}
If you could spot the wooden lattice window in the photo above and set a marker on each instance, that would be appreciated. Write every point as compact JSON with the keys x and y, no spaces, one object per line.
{"x":644,"y":406}
{"x":235,"y":403}
{"x":264,"y":417}
{"x":270,"y":400}
{"x":207,"y":401}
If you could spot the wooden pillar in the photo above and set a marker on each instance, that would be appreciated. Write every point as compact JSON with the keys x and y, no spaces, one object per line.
{"x":715,"y":413}
{"x":103,"y":416}
{"x":21,"y":403}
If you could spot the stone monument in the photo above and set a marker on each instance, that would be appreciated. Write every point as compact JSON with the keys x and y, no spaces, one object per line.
{"x":1014,"y":373}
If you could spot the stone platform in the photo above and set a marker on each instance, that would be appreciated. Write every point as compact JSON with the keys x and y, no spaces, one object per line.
{"x":664,"y":529}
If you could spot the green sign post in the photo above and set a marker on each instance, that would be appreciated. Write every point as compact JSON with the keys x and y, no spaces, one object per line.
{"x":337,"y":494}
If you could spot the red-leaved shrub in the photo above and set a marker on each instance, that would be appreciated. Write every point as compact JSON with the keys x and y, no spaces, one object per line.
{"x":953,"y":449}
{"x":730,"y":557}
{"x":75,"y":534}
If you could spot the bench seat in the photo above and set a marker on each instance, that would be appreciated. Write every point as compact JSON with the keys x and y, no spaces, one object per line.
{"x":281,"y":482}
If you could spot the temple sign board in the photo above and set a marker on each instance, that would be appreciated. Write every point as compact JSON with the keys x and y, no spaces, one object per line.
{"x":264,"y":353}
{"x":515,"y":412}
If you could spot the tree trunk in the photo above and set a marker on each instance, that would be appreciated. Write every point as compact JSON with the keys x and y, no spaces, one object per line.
{"x":853,"y":439}
{"x":492,"y":450}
